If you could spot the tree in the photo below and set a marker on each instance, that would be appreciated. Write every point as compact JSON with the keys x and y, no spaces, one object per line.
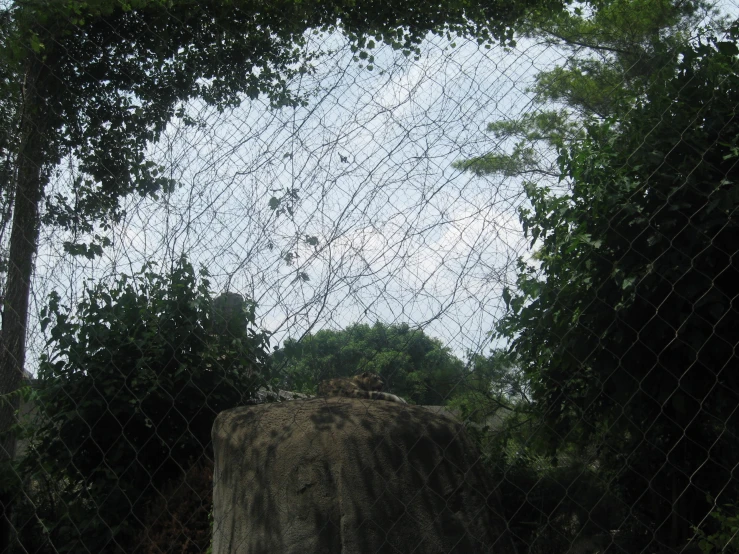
{"x":9,"y":95}
{"x":614,"y":49}
{"x":552,"y":504}
{"x":626,"y":322}
{"x":127,"y":398}
{"x":412,"y":364}
{"x":99,"y":81}
{"x":493,"y":387}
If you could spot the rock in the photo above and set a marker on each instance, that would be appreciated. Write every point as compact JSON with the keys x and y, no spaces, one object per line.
{"x":263,"y":395}
{"x":227,"y":315}
{"x":349,"y":476}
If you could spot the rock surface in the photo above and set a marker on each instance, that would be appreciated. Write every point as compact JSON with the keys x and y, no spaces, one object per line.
{"x":345,"y":476}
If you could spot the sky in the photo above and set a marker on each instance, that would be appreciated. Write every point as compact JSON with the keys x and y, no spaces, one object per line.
{"x":403,"y":237}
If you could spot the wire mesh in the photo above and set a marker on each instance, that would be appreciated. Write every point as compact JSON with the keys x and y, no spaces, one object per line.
{"x":532,"y":244}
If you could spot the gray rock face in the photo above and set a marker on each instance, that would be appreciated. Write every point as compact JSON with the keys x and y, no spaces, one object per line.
{"x":349,"y":476}
{"x":228,"y":315}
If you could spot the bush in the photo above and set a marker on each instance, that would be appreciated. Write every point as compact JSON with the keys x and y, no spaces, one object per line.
{"x":179,"y":520}
{"x":136,"y":374}
{"x":725,"y":538}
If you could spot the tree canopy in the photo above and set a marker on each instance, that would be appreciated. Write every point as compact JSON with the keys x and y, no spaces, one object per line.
{"x":109,"y":76}
{"x":413,"y":365}
{"x":625,"y":322}
{"x":614,"y":49}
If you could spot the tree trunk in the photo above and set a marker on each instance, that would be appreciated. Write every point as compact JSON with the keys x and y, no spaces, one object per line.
{"x":29,"y":182}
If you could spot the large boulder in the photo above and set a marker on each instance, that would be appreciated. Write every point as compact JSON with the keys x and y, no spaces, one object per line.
{"x":344,"y":475}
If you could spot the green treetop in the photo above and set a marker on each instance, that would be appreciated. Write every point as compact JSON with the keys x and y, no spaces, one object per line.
{"x":412,"y":364}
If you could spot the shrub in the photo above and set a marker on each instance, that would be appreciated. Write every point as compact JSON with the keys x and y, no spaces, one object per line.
{"x":127,"y":396}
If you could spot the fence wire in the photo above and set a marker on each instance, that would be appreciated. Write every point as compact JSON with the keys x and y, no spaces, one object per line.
{"x":532,"y":243}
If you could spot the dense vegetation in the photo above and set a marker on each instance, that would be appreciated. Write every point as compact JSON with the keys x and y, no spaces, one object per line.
{"x":126,"y":399}
{"x":412,"y":364}
{"x":610,"y":421}
{"x":624,"y":322}
{"x":96,"y":83}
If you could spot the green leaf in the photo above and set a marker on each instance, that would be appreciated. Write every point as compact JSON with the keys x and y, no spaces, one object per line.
{"x":507,"y":297}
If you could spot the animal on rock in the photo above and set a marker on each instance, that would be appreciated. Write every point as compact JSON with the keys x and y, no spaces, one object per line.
{"x":364,"y":385}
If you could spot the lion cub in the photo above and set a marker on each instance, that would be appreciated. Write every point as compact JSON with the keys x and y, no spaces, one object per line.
{"x":364,"y":385}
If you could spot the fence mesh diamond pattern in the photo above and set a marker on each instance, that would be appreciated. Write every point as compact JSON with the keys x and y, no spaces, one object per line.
{"x":369,"y":277}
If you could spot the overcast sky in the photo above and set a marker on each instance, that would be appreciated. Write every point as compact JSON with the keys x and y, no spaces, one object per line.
{"x":402,"y":236}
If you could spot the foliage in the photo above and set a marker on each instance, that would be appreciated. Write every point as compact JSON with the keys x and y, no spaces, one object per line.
{"x":412,"y":364}
{"x":127,"y":397}
{"x":563,"y":508}
{"x":180,"y":520}
{"x":113,"y":74}
{"x":559,"y":503}
{"x":624,"y":322}
{"x":627,"y":44}
{"x":552,"y":503}
{"x":493,"y":388}
{"x":615,"y":49}
{"x":726,"y":537}
{"x":530,"y":133}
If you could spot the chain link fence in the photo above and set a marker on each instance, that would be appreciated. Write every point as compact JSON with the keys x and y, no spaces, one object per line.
{"x":532,"y":240}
